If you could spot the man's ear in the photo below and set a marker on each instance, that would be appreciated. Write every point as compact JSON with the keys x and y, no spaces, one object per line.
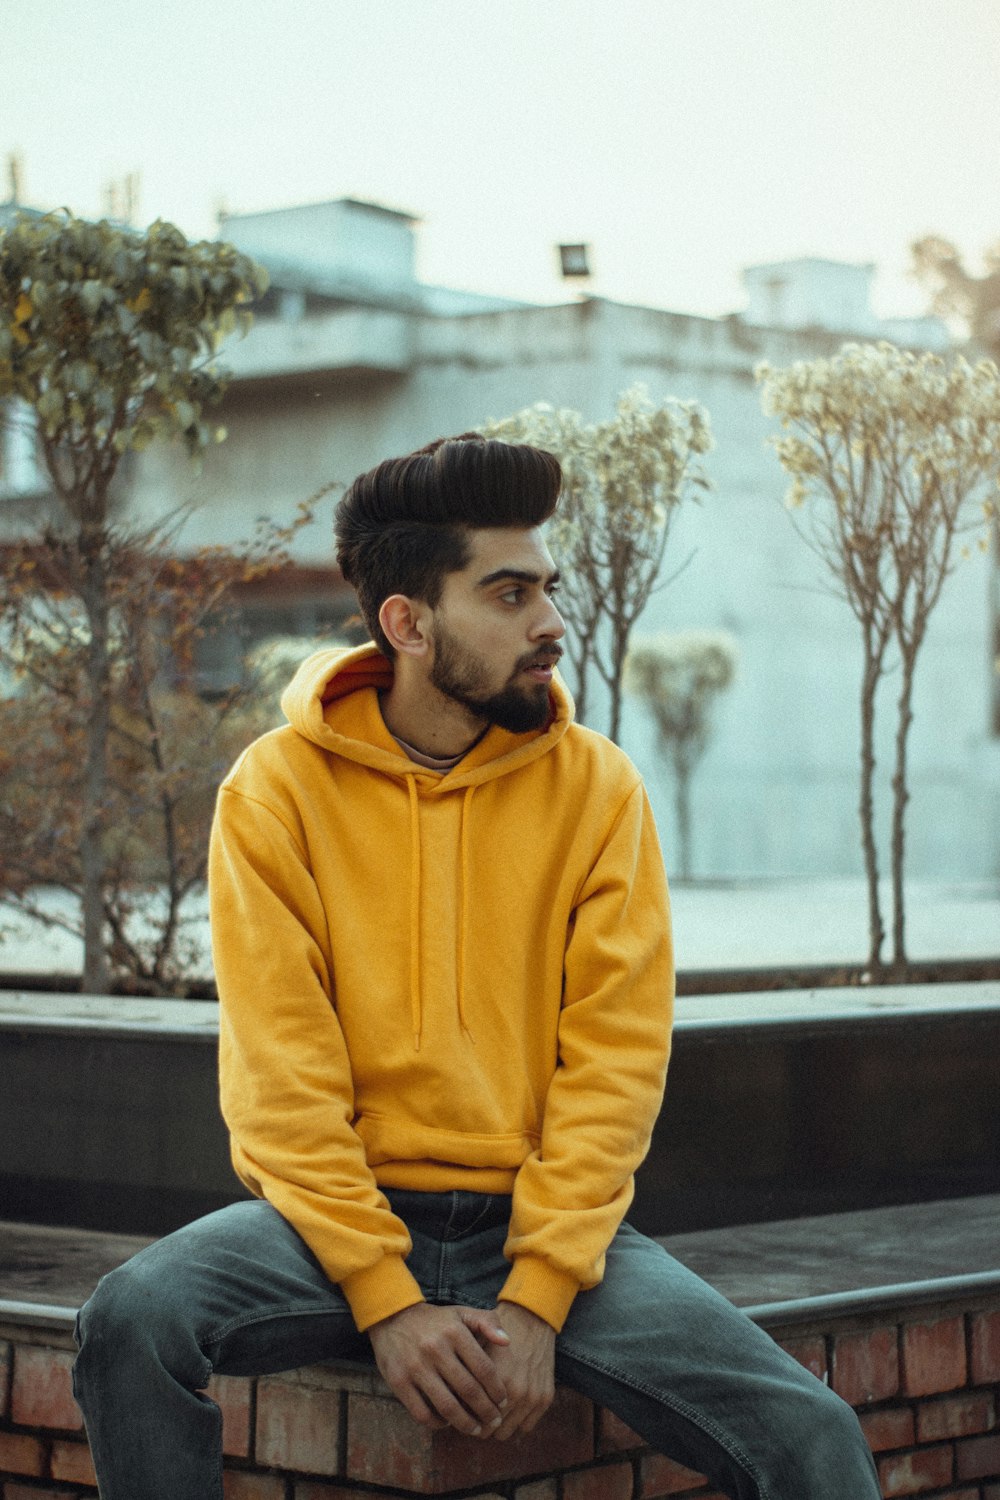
{"x":406,"y":624}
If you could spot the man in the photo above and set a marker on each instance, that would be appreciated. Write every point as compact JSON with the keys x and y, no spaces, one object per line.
{"x":441,"y":936}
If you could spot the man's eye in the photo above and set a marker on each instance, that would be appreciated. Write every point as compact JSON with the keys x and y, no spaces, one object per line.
{"x":512,"y":596}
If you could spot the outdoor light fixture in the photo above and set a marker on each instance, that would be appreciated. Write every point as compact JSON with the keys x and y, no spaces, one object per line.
{"x":574,"y":260}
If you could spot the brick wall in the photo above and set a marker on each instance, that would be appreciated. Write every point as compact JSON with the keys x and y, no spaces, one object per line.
{"x":926,"y":1383}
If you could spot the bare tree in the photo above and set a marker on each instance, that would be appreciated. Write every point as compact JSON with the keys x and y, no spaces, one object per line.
{"x":623,"y":480}
{"x":167,"y":746}
{"x":956,"y":292}
{"x":888,"y":452}
{"x":678,"y":675}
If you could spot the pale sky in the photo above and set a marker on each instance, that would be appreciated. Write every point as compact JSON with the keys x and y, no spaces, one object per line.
{"x":683,"y":139}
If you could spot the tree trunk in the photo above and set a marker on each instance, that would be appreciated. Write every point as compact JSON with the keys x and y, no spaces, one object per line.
{"x":866,"y":808}
{"x":95,"y":777}
{"x":900,"y":797}
{"x":614,"y":726}
{"x":581,"y":667}
{"x":682,"y":805}
{"x":619,"y":650}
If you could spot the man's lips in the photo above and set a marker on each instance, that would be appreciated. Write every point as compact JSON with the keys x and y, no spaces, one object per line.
{"x":541,"y":668}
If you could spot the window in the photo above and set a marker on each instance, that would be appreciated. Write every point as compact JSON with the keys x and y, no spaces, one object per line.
{"x":277,"y":611}
{"x":21,"y":471}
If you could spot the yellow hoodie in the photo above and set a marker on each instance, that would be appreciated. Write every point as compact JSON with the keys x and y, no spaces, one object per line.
{"x":438,"y":982}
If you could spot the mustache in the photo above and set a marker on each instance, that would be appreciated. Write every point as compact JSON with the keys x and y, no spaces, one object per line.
{"x":547,"y":658}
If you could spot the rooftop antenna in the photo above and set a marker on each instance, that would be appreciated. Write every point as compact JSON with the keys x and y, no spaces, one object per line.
{"x":15,"y":176}
{"x":132,"y":183}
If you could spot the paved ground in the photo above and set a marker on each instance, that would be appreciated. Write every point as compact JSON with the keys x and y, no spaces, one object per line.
{"x":757,"y":924}
{"x":719,"y":925}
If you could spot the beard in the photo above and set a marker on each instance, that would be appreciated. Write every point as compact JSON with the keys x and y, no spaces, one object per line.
{"x":463,"y":677}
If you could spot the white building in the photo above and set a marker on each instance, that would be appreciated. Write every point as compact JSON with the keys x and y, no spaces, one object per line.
{"x":352,"y":360}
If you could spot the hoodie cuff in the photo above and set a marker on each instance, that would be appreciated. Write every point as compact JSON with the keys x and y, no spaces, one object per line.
{"x":539,"y":1287}
{"x":380,"y":1290}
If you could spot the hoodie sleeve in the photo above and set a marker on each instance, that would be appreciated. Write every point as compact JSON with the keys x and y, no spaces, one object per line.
{"x":285,"y":1079}
{"x":571,"y":1194}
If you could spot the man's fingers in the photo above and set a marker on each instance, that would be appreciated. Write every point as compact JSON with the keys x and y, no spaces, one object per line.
{"x":441,"y":1394}
{"x":477,"y":1385}
{"x":417,"y":1407}
{"x":524,"y":1416}
{"x":484,"y":1324}
{"x":485,"y":1375}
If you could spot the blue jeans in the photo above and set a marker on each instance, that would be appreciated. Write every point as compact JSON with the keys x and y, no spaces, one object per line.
{"x":239,"y":1293}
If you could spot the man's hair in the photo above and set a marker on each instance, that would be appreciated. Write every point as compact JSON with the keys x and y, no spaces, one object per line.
{"x":404,"y":525}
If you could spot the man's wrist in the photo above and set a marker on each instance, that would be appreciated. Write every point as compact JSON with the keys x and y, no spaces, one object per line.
{"x":535,"y":1284}
{"x":520,"y":1322}
{"x":377,"y":1292}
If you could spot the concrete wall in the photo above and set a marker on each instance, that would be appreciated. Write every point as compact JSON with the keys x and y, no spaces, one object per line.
{"x":820,"y":1112}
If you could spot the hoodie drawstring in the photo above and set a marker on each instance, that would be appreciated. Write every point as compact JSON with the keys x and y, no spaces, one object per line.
{"x":416,"y":996}
{"x":463,"y":904}
{"x":416,"y":1000}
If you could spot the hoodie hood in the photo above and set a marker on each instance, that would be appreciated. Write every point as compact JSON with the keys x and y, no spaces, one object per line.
{"x":332,"y":701}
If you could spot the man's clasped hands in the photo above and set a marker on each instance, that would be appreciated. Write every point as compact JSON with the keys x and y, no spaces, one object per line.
{"x":487,"y":1374}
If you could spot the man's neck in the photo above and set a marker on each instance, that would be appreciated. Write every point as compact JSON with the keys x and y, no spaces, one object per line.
{"x":423,"y":719}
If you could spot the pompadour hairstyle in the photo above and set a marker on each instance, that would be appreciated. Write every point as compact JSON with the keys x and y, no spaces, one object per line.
{"x":403,"y":526}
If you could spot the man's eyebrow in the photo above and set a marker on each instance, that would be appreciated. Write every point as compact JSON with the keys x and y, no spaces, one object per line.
{"x":517,"y":575}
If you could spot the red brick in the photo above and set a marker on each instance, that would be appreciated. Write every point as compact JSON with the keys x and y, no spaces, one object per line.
{"x":539,"y":1489}
{"x":20,"y":1453}
{"x":72,"y":1461}
{"x":956,"y":1416}
{"x":909,"y":1473}
{"x":28,"y":1492}
{"x":893,"y":1427}
{"x":978,"y":1458}
{"x":231,"y":1393}
{"x":606,"y":1482}
{"x":306,"y":1489}
{"x":985,"y":1329}
{"x":613,"y":1436}
{"x":386,"y":1447}
{"x":42,"y":1389}
{"x":991,"y":1492}
{"x":298,"y":1421}
{"x":933,"y":1356}
{"x":866,"y":1366}
{"x":6,"y":1360}
{"x":661,"y":1476}
{"x":809,"y":1352}
{"x":243,"y":1486}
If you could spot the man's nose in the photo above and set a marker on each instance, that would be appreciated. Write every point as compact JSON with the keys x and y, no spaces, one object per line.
{"x":550,"y":623}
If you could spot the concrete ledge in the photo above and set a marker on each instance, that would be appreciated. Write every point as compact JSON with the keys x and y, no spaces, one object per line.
{"x":119,"y":1015}
{"x":780,"y":1273}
